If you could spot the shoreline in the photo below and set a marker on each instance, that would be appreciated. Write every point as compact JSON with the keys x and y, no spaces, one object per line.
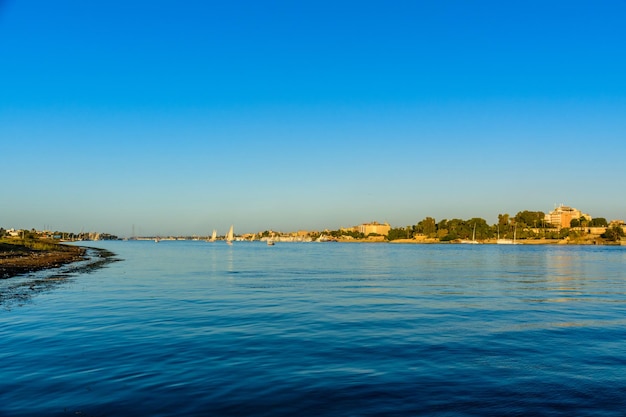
{"x":556,"y":242}
{"x":21,"y":258}
{"x":28,"y":281}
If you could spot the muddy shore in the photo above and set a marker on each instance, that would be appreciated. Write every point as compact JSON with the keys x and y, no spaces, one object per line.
{"x":18,"y":259}
{"x":61,"y":265}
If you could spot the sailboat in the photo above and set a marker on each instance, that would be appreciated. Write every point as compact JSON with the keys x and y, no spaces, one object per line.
{"x":213,"y":236}
{"x":230,"y":236}
{"x":507,"y":241}
{"x":473,"y":241}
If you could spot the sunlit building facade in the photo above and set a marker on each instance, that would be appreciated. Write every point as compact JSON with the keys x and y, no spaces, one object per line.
{"x":374,"y":227}
{"x":562,"y":215}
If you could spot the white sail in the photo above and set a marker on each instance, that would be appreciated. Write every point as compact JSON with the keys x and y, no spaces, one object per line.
{"x":230,"y":236}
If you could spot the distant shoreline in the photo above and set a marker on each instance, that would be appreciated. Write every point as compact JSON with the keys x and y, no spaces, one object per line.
{"x":560,"y":242}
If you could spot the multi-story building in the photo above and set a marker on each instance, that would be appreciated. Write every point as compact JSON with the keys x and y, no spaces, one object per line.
{"x":562,"y":215}
{"x":374,"y":227}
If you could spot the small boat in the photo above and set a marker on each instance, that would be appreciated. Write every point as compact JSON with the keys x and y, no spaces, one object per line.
{"x":507,"y":241}
{"x":213,"y":236}
{"x":230,"y":236}
{"x":473,"y":241}
{"x":270,"y":243}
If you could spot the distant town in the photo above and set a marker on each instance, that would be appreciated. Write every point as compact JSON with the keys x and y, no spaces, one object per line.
{"x":562,"y":225}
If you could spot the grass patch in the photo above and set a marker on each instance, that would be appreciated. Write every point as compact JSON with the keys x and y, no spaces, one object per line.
{"x":21,"y":245}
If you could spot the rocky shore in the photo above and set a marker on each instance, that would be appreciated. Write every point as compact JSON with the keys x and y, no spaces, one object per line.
{"x":17,"y":259}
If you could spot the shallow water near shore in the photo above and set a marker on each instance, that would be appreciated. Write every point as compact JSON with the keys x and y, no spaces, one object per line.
{"x":196,"y":328}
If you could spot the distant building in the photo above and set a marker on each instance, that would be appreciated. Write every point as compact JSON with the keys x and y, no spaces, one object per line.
{"x":374,"y":227}
{"x":563,"y":215}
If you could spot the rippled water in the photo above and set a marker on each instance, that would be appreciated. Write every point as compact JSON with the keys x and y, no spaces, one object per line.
{"x":197,"y":328}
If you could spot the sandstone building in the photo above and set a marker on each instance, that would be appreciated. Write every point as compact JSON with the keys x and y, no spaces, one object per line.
{"x":374,"y":227}
{"x":562,"y":215}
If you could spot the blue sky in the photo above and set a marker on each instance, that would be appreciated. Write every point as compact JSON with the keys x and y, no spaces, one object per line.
{"x":181,"y":117}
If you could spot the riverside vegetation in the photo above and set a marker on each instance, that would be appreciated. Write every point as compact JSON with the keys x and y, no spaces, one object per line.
{"x":20,"y":256}
{"x":525,"y":225}
{"x":528,"y":226}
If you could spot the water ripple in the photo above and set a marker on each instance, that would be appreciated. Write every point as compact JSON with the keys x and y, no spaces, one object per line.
{"x":190,"y":328}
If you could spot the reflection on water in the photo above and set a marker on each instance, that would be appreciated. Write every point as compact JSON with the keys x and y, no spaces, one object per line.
{"x":197,"y":328}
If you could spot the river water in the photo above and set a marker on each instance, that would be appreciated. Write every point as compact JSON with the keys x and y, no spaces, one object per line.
{"x":316,"y":329}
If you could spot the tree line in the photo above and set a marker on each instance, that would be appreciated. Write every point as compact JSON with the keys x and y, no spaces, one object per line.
{"x":524,"y":225}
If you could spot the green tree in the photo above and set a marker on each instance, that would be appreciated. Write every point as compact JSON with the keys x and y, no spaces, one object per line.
{"x":354,"y":234}
{"x":396,"y":233}
{"x":427,"y":226}
{"x":449,"y":229}
{"x":529,"y":218}
{"x":598,"y":222}
{"x":457,"y":229}
{"x":464,"y":229}
{"x":613,"y":234}
{"x":483,"y":230}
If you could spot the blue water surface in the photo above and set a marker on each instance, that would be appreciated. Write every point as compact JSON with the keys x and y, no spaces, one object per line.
{"x":312,"y":329}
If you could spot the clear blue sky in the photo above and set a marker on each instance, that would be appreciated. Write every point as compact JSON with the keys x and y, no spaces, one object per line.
{"x":181,"y":117}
